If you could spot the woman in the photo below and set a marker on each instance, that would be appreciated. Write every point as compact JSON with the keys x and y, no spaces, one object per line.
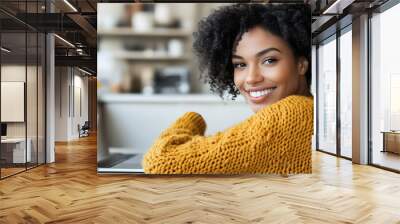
{"x":263,"y":53}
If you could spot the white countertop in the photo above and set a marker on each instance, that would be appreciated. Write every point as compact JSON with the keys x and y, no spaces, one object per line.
{"x":165,"y":98}
{"x":13,"y":140}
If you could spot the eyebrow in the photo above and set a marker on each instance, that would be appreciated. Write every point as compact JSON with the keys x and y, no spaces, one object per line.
{"x":259,"y":53}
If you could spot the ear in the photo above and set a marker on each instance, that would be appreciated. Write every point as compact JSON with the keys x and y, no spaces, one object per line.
{"x":302,"y":65}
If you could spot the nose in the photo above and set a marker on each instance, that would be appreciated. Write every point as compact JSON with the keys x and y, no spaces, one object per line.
{"x":254,"y":76}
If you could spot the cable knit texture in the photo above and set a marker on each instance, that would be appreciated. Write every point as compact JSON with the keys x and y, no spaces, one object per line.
{"x":275,"y":140}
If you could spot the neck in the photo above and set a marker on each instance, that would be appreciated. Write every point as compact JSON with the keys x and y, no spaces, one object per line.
{"x":303,"y":89}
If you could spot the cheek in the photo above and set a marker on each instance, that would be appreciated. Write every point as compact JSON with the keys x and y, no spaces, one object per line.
{"x":238,"y":80}
{"x":281,"y":73}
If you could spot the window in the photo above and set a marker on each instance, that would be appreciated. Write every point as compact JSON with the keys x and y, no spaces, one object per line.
{"x":346,"y":92}
{"x":385,"y":89}
{"x":327,"y":96}
{"x":22,"y":75}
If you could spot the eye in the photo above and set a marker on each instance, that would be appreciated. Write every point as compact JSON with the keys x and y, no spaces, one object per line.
{"x":238,"y":65}
{"x":270,"y":61}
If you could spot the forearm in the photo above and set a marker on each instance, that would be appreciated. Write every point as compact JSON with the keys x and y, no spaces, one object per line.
{"x":224,"y":152}
{"x":190,"y":123}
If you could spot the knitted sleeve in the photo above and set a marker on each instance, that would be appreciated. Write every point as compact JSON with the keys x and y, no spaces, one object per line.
{"x":248,"y":147}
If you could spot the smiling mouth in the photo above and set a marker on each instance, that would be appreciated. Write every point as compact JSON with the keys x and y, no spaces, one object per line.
{"x":260,"y":95}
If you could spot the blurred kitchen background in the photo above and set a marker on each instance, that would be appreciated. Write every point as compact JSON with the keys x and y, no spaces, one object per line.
{"x":148,"y":76}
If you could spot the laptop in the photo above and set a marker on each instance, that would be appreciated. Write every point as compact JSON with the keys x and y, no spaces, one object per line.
{"x":3,"y":131}
{"x":115,"y":159}
{"x":121,"y":163}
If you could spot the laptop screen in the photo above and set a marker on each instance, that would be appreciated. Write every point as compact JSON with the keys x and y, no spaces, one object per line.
{"x":3,"y":129}
{"x":121,"y":163}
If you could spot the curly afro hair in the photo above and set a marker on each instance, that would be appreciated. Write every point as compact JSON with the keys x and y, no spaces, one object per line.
{"x":219,"y":33}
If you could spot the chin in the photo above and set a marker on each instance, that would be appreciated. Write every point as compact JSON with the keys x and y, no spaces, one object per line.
{"x":258,"y":101}
{"x":257,"y":107}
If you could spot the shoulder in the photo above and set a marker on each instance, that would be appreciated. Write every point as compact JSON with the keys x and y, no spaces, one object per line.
{"x":293,"y":109}
{"x":296,"y":111}
{"x":296,"y":102}
{"x":293,"y":103}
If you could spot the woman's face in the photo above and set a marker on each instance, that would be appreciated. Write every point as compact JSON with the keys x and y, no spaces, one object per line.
{"x":265,"y":69}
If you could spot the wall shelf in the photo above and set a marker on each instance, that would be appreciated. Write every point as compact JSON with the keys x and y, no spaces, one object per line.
{"x":141,"y":56}
{"x":140,"y":53}
{"x":166,"y":98}
{"x":129,"y":32}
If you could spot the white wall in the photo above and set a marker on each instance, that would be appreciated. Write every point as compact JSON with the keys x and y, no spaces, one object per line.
{"x":12,"y":73}
{"x":12,"y":101}
{"x":70,"y":84}
{"x":33,"y":126}
{"x":80,"y":105}
{"x":61,"y":103}
{"x":132,"y":126}
{"x":82,"y":83}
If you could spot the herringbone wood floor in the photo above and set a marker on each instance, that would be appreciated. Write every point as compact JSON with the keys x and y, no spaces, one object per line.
{"x":70,"y":191}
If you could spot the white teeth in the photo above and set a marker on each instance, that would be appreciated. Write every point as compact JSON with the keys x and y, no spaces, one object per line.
{"x":261,"y":93}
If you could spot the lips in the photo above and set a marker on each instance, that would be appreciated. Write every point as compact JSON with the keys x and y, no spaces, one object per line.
{"x":260,"y":94}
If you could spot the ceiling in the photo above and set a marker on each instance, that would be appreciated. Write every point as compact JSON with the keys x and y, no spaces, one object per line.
{"x":73,"y":20}
{"x":76,"y":22}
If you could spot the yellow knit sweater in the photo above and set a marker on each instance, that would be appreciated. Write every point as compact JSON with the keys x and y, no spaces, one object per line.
{"x":276,"y":139}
